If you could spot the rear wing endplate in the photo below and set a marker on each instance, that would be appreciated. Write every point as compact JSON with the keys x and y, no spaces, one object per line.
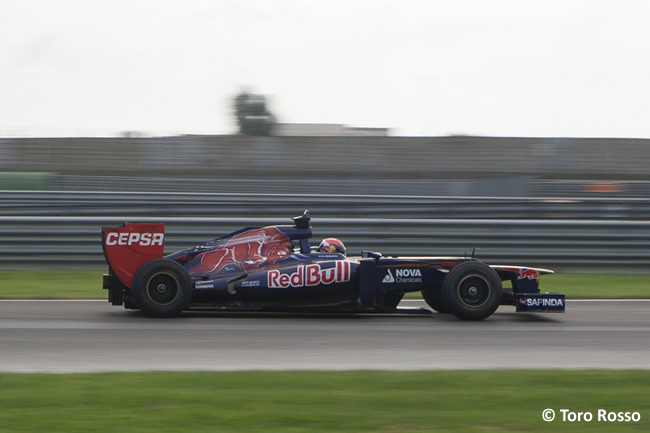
{"x":130,"y":246}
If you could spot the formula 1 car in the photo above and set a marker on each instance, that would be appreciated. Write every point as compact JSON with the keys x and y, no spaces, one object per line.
{"x":276,"y":268}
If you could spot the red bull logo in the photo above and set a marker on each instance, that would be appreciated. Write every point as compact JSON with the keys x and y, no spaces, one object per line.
{"x":309,"y":276}
{"x":528,"y":274}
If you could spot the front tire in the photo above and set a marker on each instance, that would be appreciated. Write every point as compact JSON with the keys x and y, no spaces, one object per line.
{"x":162,"y":288}
{"x":472,"y":291}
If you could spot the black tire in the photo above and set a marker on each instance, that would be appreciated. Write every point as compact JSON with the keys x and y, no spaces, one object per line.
{"x":472,"y":291}
{"x":162,"y":288}
{"x":433,"y":298}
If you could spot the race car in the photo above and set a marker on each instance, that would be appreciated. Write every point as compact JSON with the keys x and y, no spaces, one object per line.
{"x":276,"y":268}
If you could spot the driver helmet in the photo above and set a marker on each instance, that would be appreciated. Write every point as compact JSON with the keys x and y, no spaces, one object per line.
{"x":332,"y":245}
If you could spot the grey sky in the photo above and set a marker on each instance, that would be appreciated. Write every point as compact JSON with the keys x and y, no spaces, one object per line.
{"x":503,"y":68}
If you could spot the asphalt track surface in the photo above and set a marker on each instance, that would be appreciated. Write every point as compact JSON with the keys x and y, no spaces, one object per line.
{"x":93,"y":336}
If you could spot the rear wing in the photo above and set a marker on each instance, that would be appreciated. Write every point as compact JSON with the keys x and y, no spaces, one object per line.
{"x":128,"y":247}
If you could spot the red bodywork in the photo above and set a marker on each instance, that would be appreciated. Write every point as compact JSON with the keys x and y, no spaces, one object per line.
{"x":129,"y":247}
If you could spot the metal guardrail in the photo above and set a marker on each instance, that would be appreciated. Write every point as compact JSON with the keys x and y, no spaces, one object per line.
{"x":62,"y":229}
{"x":565,"y":245}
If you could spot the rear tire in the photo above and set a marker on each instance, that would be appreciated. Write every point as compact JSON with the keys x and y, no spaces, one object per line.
{"x":162,"y":288}
{"x":472,"y":291}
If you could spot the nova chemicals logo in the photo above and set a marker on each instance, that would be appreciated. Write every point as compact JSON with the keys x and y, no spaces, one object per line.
{"x":403,"y":276}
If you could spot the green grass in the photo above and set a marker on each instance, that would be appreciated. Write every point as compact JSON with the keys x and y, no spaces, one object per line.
{"x":371,"y":401}
{"x":58,"y":284}
{"x":598,"y":285}
{"x":64,"y":284}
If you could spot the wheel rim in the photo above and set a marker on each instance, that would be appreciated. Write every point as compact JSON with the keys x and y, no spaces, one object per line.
{"x":474,"y":291}
{"x":163,"y":288}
